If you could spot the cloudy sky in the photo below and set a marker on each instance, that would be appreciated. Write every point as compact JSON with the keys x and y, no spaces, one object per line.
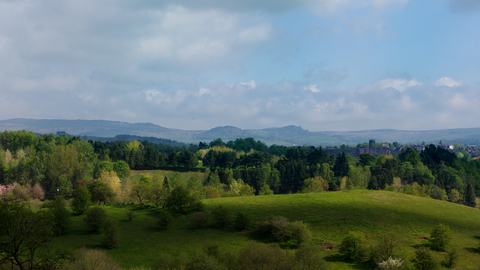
{"x":189,"y":64}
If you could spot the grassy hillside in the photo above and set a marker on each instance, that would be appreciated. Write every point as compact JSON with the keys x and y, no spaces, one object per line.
{"x":330,"y":215}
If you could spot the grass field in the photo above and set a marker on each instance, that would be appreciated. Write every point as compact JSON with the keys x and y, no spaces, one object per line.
{"x":330,"y":215}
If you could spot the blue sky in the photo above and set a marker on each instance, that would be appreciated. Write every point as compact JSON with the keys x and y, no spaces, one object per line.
{"x":187,"y":64}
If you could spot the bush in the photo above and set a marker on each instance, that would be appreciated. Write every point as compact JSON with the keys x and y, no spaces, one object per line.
{"x":91,"y":259}
{"x":198,"y":220}
{"x":242,"y":221}
{"x":424,"y":260}
{"x":386,"y":249}
{"x":164,"y":220}
{"x":198,"y":205}
{"x":391,"y":264}
{"x":201,"y":260}
{"x":95,"y":217}
{"x":353,"y":246}
{"x":440,"y":237}
{"x":308,"y":257}
{"x":255,"y":256}
{"x":298,"y":232}
{"x":221,"y":217}
{"x":279,"y":229}
{"x":265,"y":190}
{"x":82,"y":200}
{"x":110,"y":234}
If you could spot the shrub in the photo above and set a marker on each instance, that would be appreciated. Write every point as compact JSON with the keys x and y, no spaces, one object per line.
{"x":391,"y":264}
{"x":440,"y":237}
{"x":164,"y":220}
{"x":353,"y":246}
{"x":454,"y":196}
{"x":198,"y":205}
{"x":242,"y":221}
{"x":424,"y":260}
{"x":298,"y":232}
{"x":265,"y":190}
{"x":201,"y":260}
{"x":308,"y":257}
{"x":82,"y":200}
{"x":91,"y":259}
{"x":110,"y":233}
{"x":95,"y":217}
{"x":221,"y":217}
{"x":279,"y":229}
{"x":198,"y":220}
{"x":255,"y":256}
{"x":385,"y":249}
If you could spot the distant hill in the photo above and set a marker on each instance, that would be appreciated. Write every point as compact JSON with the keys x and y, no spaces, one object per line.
{"x":288,"y":135}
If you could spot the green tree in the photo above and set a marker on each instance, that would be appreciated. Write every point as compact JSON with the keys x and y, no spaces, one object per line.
{"x":341,"y":167}
{"x":82,"y":200}
{"x":440,"y":237}
{"x":179,"y":198}
{"x":141,"y":192}
{"x":95,"y":218}
{"x":110,"y":233}
{"x":353,"y":246}
{"x":100,"y":192}
{"x":25,"y":234}
{"x":61,"y":216}
{"x":122,"y":169}
{"x":470,"y":196}
{"x":424,"y":260}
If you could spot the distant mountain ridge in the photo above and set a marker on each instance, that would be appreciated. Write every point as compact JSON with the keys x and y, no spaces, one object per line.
{"x":288,"y":135}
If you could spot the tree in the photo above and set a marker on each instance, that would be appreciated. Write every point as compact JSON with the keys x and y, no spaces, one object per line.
{"x":122,"y":169}
{"x":470,"y":196}
{"x":110,"y":233}
{"x":61,"y":216}
{"x":353,"y":246}
{"x":95,"y":218}
{"x":140,"y":192}
{"x":440,"y":237}
{"x":179,"y":197}
{"x":159,"y":195}
{"x":101,"y":192}
{"x":23,"y":234}
{"x":424,"y":260}
{"x":82,"y":200}
{"x":341,"y":167}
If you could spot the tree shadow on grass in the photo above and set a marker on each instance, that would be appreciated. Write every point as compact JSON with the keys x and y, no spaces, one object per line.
{"x":472,"y":250}
{"x":337,"y":258}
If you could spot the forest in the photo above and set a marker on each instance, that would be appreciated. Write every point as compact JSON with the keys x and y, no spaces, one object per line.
{"x":60,"y":164}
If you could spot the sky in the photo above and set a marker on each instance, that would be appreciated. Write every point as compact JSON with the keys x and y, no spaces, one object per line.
{"x":324,"y":65}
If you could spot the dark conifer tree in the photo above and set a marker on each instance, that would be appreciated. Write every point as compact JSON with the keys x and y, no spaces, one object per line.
{"x":470,"y":195}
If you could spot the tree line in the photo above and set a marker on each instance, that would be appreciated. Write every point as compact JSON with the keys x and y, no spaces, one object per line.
{"x":60,"y":163}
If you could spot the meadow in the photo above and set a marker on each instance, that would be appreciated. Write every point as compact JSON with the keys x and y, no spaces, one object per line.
{"x":330,"y":215}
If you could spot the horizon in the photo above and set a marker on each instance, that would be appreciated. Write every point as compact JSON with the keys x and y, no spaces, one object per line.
{"x":132,"y":123}
{"x":324,"y":65}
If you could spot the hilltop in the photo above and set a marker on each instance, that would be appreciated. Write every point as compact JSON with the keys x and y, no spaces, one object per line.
{"x":288,"y":135}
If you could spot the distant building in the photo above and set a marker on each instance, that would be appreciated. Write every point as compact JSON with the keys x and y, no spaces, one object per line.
{"x":371,"y":144}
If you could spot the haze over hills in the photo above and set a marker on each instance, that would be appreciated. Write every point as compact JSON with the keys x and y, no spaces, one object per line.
{"x":288,"y":135}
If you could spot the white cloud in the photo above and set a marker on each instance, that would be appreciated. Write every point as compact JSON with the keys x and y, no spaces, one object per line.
{"x":399,"y":84}
{"x":449,"y":82}
{"x":251,"y":84}
{"x":312,"y":87}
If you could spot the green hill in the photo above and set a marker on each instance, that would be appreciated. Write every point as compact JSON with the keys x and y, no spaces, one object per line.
{"x":330,"y":215}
